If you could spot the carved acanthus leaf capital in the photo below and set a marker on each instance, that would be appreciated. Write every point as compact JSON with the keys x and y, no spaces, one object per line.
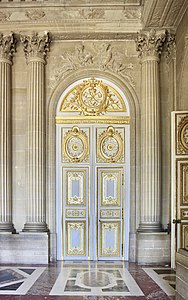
{"x":7,"y":46}
{"x":150,"y":43}
{"x":170,"y":46}
{"x":36,"y":46}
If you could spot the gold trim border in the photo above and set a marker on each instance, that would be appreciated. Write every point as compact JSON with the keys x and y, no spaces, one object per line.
{"x":93,"y":120}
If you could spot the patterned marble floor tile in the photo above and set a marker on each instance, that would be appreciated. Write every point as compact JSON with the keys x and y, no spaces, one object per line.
{"x":115,"y":282}
{"x":18,"y":280}
{"x":96,"y":281}
{"x":164,"y":277}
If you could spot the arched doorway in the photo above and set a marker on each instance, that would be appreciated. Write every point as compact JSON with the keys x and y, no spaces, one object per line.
{"x":92,"y":171}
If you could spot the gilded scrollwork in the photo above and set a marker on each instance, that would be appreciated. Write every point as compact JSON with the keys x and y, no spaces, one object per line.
{"x":110,"y":146}
{"x":73,"y":230}
{"x":182,"y":135}
{"x":92,"y":97}
{"x":75,"y":145}
{"x":107,"y":248}
{"x":76,"y":187}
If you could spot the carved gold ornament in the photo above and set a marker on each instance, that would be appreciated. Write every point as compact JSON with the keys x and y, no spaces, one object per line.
{"x":182,"y":136}
{"x":75,"y":146}
{"x":92,"y":98}
{"x":110,"y":146}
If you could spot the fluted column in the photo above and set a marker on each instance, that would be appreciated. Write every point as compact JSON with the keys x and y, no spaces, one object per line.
{"x":149,"y":46}
{"x":35,"y":48}
{"x":7,"y":47}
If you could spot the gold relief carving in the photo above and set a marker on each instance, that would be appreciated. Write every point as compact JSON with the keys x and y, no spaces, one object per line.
{"x":182,"y":135}
{"x":183,"y":183}
{"x":93,"y":120}
{"x":76,"y":238}
{"x":93,"y":98}
{"x":110,"y":146}
{"x":184,"y":213}
{"x":75,"y":146}
{"x":110,"y":239}
{"x":76,"y":187}
{"x":110,"y":213}
{"x":110,"y":187}
{"x":184,"y":236}
{"x":75,"y":213}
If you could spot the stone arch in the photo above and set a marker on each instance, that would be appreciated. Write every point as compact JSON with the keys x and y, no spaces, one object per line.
{"x":132,"y":99}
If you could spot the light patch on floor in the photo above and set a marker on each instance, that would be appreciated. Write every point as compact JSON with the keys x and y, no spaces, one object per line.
{"x":165,"y":279}
{"x":96,"y":281}
{"x":18,"y":280}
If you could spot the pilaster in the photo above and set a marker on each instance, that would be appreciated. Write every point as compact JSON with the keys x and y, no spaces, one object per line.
{"x":149,"y":45}
{"x":36,"y":48}
{"x":7,"y":48}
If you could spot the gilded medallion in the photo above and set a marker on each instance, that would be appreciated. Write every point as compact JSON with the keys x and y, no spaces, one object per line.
{"x":75,"y":146}
{"x":110,"y":146}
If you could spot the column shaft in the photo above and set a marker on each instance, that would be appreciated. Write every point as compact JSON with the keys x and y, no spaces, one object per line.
{"x":150,"y":44}
{"x":7,"y":47}
{"x":35,"y":49}
{"x":151,"y":147}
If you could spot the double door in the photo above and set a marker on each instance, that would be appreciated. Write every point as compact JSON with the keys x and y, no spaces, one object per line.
{"x":92,"y":192}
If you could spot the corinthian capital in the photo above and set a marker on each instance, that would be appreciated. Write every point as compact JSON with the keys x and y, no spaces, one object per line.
{"x":36,"y":46}
{"x":150,"y":43}
{"x":7,"y":46}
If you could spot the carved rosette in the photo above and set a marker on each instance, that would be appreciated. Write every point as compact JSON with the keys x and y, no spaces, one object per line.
{"x":150,"y":43}
{"x":7,"y":46}
{"x":36,"y":46}
{"x":182,"y":136}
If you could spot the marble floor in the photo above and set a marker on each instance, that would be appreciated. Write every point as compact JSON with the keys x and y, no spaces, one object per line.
{"x":86,"y":281}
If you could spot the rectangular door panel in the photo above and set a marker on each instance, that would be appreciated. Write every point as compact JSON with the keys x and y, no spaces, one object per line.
{"x":110,"y":237}
{"x":110,"y":208}
{"x":75,"y":194}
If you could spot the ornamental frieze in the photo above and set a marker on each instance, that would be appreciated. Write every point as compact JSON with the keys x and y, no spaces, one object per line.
{"x":103,"y":56}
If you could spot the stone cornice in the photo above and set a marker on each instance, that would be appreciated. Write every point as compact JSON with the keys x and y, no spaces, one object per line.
{"x":150,"y":44}
{"x":7,"y":46}
{"x":35,"y":45}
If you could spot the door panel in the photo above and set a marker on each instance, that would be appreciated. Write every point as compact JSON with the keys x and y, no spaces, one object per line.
{"x":179,"y":188}
{"x":93,"y":163}
{"x":75,"y":194}
{"x":110,"y":223}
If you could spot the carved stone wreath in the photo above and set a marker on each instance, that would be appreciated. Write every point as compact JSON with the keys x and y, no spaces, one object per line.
{"x":110,"y":146}
{"x":183,"y":136}
{"x":75,"y":146}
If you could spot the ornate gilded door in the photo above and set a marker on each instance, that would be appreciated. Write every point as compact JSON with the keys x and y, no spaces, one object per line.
{"x":179,"y":182}
{"x":92,"y":185}
{"x":92,"y":191}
